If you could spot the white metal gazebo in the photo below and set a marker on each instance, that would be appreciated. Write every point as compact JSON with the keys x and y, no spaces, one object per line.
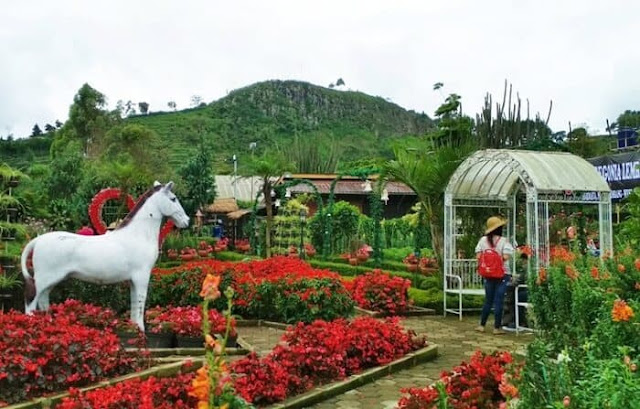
{"x":493,"y":178}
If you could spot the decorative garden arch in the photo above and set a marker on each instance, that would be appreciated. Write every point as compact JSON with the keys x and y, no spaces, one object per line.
{"x":493,"y":178}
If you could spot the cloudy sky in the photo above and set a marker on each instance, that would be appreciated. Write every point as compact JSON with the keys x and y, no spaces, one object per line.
{"x":583,"y":55}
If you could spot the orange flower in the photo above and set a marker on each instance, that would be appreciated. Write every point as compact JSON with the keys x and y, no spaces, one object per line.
{"x":542,"y":276}
{"x":621,"y":311}
{"x":200,"y":388}
{"x":213,"y":343}
{"x":571,"y":271}
{"x":636,"y":263}
{"x":210,"y":289}
{"x":595,"y":273}
{"x":637,"y":286}
{"x":621,"y":268}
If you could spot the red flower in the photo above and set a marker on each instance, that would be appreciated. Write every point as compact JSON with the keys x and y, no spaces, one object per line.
{"x":379,"y":291}
{"x":43,"y":354}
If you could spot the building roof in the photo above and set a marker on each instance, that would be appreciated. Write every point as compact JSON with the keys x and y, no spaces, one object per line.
{"x":351,"y":187}
{"x":223,"y":206}
{"x":494,"y":174}
{"x":243,"y":187}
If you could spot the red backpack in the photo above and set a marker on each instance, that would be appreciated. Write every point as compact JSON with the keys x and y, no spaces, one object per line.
{"x":490,"y":263}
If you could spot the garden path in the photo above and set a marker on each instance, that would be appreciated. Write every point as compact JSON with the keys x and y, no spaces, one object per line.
{"x":456,"y":340}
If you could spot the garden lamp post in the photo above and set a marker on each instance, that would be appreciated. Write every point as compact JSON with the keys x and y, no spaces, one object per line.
{"x":303,"y":220}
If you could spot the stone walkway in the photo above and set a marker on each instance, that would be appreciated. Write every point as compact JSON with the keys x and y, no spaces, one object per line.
{"x":456,"y":340}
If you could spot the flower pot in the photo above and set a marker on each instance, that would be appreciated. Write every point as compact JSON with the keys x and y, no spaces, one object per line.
{"x":310,"y":253}
{"x":187,"y":257}
{"x":187,"y":341}
{"x":426,"y":270}
{"x":362,"y":258}
{"x":160,"y":340}
{"x":203,"y":253}
{"x":353,"y":261}
{"x":412,"y":267}
{"x":127,"y":339}
{"x":5,"y":300}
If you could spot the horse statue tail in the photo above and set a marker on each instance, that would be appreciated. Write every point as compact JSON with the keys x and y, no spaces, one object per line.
{"x":29,"y":282}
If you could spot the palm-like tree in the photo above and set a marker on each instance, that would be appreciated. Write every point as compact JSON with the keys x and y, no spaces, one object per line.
{"x":426,"y":169}
{"x":269,"y":168}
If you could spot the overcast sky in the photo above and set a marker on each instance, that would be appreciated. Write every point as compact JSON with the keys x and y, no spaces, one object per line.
{"x":583,"y":55}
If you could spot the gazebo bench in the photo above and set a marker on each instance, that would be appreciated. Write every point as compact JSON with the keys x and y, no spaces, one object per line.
{"x":463,"y":280}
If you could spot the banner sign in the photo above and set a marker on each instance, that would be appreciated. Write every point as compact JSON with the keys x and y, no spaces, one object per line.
{"x":621,"y":172}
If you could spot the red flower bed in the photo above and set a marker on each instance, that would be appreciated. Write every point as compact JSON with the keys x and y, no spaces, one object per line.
{"x":481,"y":383}
{"x":152,"y":393}
{"x":321,"y":352}
{"x":42,"y":354}
{"x":87,"y":314}
{"x":186,"y":321}
{"x":379,"y":291}
{"x":280,"y":288}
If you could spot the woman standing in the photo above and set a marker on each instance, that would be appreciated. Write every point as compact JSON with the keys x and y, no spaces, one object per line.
{"x":495,"y":288}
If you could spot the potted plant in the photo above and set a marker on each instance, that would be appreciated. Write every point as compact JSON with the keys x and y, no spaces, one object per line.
{"x":187,"y":254}
{"x":362,"y":254}
{"x":411,"y":261}
{"x":8,"y":282}
{"x":186,"y":324}
{"x":172,"y":254}
{"x":128,"y":332}
{"x":309,"y":250}
{"x":204,"y":249}
{"x":9,"y":205}
{"x":159,"y":333}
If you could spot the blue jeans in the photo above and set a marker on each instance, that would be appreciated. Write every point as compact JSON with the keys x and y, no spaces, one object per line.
{"x":494,"y":290}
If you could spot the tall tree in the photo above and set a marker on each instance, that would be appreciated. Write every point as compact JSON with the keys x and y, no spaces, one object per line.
{"x":629,"y":119}
{"x":196,"y":100}
{"x":172,"y":105}
{"x":88,"y":121}
{"x":198,"y":178}
{"x":48,"y":128}
{"x":36,"y":131}
{"x":269,"y":168}
{"x":144,"y":107}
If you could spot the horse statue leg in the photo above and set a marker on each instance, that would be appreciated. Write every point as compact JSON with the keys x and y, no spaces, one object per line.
{"x":138,"y":293}
{"x":43,"y":300}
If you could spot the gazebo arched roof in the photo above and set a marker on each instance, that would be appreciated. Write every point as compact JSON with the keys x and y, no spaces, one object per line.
{"x":494,"y":174}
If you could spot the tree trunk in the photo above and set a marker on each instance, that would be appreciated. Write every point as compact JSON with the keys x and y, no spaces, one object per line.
{"x":267,"y":201}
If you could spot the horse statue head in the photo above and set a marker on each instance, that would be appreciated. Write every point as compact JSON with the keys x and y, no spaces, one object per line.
{"x":169,"y":205}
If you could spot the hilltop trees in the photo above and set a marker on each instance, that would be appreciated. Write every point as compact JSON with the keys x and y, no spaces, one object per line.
{"x":143,"y":107}
{"x":36,"y":131}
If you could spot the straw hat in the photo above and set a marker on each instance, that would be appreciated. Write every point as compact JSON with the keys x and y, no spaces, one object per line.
{"x":493,"y":223}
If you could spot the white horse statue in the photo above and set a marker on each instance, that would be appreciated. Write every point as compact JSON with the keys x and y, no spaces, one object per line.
{"x":126,"y":253}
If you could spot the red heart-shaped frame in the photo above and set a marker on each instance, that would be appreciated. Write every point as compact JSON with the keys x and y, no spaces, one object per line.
{"x":98,"y":202}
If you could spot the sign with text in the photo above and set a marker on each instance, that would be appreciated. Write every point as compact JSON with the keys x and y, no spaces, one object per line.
{"x":621,"y":171}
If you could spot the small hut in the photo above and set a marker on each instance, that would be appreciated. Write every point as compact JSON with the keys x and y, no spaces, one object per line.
{"x":226,"y":217}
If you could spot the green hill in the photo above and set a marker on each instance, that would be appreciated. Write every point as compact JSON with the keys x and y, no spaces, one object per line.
{"x":272,"y":114}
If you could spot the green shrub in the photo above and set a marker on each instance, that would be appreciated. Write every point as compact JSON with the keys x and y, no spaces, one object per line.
{"x":300,"y":301}
{"x":114,"y":296}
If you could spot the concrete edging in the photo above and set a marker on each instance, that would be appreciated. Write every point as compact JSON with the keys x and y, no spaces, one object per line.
{"x":160,"y":371}
{"x":413,"y":312}
{"x":172,"y":362}
{"x":328,"y":391}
